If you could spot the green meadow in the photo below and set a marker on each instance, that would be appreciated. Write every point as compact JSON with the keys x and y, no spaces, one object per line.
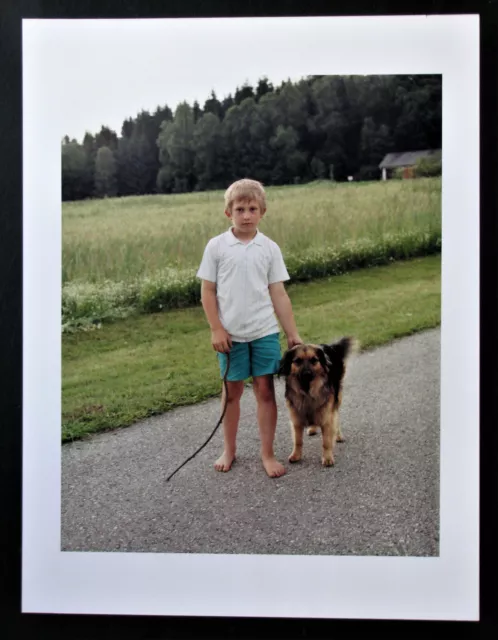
{"x":125,"y":256}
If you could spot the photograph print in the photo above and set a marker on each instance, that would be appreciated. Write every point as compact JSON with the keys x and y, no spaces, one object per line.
{"x":255,"y":278}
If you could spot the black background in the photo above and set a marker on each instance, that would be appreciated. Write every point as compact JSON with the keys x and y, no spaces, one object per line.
{"x":18,"y":625}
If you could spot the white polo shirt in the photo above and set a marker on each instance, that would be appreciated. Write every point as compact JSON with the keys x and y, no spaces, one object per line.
{"x":242,"y":273}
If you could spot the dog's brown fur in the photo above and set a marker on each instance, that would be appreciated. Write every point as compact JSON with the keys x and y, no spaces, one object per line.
{"x":314,"y":374}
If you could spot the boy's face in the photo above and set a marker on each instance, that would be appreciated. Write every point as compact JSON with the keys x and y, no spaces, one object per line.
{"x":245,"y":215}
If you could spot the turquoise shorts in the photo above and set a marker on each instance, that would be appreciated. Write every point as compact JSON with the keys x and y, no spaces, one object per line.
{"x":248,"y":359}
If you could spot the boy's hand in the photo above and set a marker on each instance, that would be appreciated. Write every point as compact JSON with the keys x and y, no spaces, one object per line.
{"x":221,"y":340}
{"x":293,"y":340}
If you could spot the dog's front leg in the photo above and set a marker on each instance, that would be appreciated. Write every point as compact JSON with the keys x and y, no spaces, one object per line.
{"x":329,"y":436}
{"x":297,"y":436}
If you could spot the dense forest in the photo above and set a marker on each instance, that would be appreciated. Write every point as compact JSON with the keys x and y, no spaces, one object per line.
{"x":322,"y":127}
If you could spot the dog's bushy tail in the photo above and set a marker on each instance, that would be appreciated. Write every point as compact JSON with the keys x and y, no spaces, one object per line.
{"x":343,"y":348}
{"x":338,"y":352}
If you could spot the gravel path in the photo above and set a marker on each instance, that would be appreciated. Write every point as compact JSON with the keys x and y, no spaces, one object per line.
{"x":380,"y":498}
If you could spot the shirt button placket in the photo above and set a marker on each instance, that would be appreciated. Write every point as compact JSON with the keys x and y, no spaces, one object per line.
{"x":244,"y":324}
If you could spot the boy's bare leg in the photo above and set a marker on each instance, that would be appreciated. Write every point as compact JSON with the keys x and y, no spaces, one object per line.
{"x":230,"y":424}
{"x":267,"y":421}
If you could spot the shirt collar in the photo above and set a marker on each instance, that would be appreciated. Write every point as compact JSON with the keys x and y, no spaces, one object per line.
{"x":231,"y":239}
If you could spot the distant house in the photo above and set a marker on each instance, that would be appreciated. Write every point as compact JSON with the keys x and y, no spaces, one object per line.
{"x":405,"y":160}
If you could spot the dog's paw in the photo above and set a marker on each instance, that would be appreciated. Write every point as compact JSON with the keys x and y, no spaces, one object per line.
{"x":341,"y":438}
{"x":295,"y":456}
{"x":327,"y":460}
{"x":311,"y":431}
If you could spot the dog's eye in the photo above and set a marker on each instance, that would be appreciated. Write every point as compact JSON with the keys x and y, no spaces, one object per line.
{"x":298,"y":360}
{"x":313,"y":360}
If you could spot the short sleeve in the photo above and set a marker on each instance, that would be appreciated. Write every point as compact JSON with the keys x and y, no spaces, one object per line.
{"x":278,"y":271}
{"x":208,"y":268}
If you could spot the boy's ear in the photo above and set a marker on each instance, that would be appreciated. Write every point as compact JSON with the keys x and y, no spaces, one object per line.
{"x":228,"y":213}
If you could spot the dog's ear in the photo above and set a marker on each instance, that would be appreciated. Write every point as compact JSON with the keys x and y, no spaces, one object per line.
{"x":286,"y":362}
{"x":323,"y":358}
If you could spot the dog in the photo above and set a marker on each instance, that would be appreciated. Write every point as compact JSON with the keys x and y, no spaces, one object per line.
{"x":314,"y":375}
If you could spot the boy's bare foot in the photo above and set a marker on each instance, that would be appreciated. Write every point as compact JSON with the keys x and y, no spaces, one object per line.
{"x":224,"y":462}
{"x":273,"y":468}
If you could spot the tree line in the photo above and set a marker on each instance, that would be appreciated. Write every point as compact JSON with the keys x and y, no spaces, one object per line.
{"x":321,"y":127}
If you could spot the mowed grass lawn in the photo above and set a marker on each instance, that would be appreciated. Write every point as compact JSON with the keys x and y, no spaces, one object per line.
{"x":146,"y":365}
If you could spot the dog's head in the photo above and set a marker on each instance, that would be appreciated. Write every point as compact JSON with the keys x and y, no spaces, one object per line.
{"x":308,"y":361}
{"x":305,"y":362}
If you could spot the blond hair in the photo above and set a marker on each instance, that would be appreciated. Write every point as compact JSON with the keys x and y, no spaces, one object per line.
{"x":245,"y":189}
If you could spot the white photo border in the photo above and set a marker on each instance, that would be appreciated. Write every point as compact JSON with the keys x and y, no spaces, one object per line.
{"x":440,"y":588}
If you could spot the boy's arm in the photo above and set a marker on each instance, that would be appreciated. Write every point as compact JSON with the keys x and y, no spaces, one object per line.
{"x":283,"y":309}
{"x":220,"y":338}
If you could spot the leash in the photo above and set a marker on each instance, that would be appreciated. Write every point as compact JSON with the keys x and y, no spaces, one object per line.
{"x":219,"y":422}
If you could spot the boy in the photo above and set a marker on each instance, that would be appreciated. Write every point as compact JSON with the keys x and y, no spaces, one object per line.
{"x":242,"y":289}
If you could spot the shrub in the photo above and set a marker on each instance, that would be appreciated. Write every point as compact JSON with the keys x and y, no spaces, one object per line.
{"x":428,"y":167}
{"x":86,"y":306}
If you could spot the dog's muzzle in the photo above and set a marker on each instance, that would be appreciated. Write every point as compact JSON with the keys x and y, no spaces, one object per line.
{"x":305,"y":377}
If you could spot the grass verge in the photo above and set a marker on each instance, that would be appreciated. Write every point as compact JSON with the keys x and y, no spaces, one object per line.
{"x":146,"y":365}
{"x":86,"y":305}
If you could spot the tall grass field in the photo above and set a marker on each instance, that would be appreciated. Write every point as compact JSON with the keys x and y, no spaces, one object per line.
{"x":123,"y":256}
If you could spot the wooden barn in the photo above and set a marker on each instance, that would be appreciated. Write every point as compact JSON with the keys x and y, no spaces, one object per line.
{"x":405,"y":160}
